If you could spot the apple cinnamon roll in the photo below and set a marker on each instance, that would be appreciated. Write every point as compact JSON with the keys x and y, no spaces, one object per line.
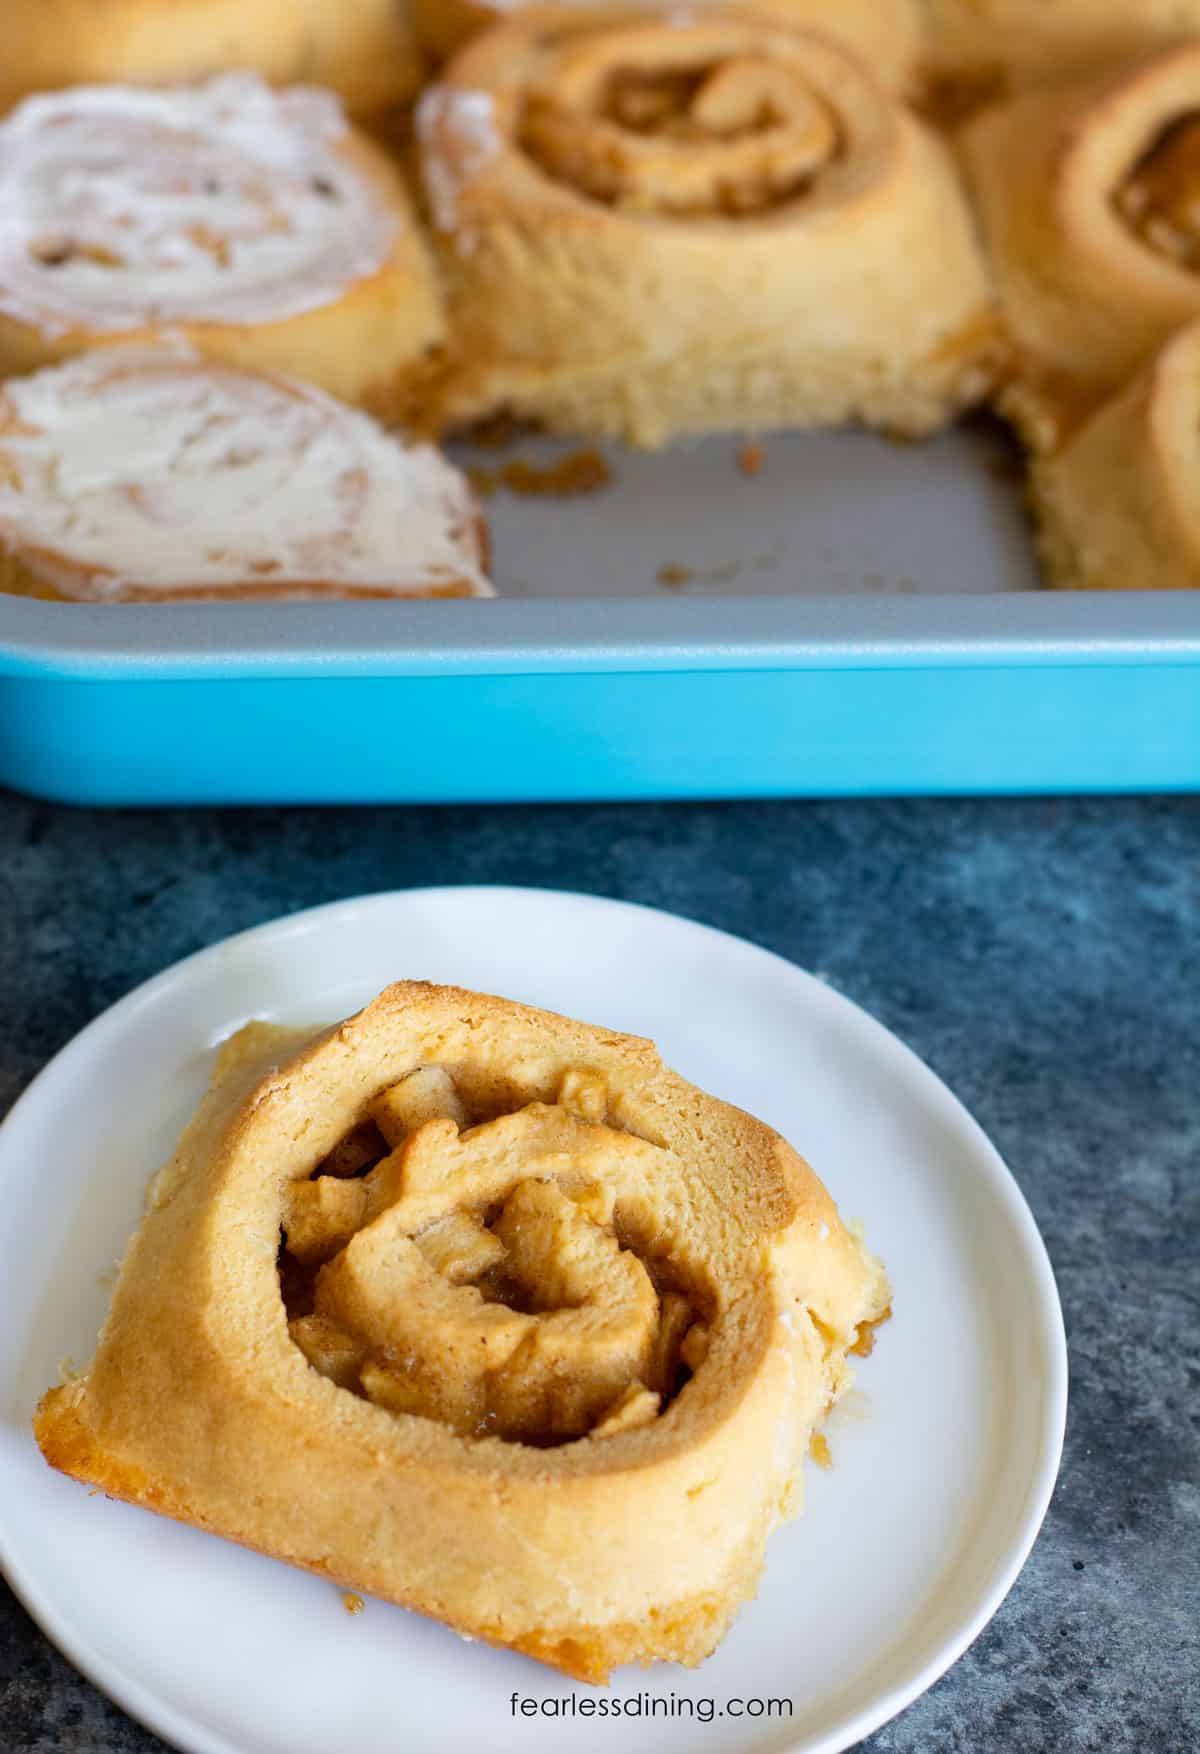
{"x":134,"y":475}
{"x":999,"y":45}
{"x":887,"y":35}
{"x":365,"y":50}
{"x":652,"y":226}
{"x":471,"y":1281}
{"x":256,"y":223}
{"x":362,"y":49}
{"x":1089,"y":199}
{"x":1118,"y":506}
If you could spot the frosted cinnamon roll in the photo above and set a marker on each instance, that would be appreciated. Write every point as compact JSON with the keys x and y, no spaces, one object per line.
{"x":1089,"y":198}
{"x":256,"y":223}
{"x":888,"y":35}
{"x":1118,"y":506}
{"x":1008,"y":43}
{"x":148,"y":475}
{"x":363,"y":49}
{"x":653,"y":226}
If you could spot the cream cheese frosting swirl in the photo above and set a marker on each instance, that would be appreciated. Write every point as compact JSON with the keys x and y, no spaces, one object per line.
{"x":144,"y":473}
{"x":225,"y":202}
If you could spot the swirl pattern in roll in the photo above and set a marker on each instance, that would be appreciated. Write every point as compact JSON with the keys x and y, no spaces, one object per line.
{"x":1089,"y":196}
{"x":141,"y":475}
{"x":362,"y":49}
{"x":1118,"y":506}
{"x":538,"y":1299}
{"x":1008,"y":43}
{"x":888,"y":35}
{"x":255,"y":222}
{"x":653,"y":226}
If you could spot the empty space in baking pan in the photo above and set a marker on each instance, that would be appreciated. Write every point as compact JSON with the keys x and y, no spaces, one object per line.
{"x":815,"y":513}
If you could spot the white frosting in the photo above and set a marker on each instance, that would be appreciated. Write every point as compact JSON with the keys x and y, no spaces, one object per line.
{"x":224,"y":202}
{"x":160,"y":472}
{"x":458,"y":135}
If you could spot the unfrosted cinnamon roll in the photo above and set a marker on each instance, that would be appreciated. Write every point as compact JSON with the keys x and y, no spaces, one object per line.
{"x":540,"y":1355}
{"x":1010,"y":43}
{"x":1118,"y":506}
{"x":365,"y":50}
{"x":888,"y":35}
{"x":148,"y":475}
{"x":653,"y":226}
{"x":256,"y":223}
{"x":1089,"y":198}
{"x":362,"y":49}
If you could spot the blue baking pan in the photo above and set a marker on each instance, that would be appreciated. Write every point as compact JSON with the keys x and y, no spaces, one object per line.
{"x":856,"y":618}
{"x":600,"y":699}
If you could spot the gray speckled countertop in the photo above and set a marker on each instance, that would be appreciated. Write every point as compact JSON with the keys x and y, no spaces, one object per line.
{"x":1044,"y":957}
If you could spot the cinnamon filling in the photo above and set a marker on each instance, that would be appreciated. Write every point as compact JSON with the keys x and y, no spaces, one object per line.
{"x":480,"y":1272}
{"x":1160,"y":200}
{"x":739,"y":135}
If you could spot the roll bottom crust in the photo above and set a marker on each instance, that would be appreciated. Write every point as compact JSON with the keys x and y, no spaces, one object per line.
{"x":1118,"y":507}
{"x":19,"y":579}
{"x":373,"y":349}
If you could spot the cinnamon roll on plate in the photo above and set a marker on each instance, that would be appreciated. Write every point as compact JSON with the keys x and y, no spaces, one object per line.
{"x":149,"y":475}
{"x":526,"y":1332}
{"x":256,"y":223}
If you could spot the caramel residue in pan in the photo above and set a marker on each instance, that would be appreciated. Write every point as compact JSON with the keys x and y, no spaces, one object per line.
{"x":572,"y":476}
{"x":751,"y":458}
{"x":497,"y":432}
{"x":674,"y":576}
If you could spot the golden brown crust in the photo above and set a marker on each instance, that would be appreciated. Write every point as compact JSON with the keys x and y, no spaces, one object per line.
{"x":362,"y":49}
{"x":145,"y":42}
{"x":635,"y":1546}
{"x":1030,"y":42}
{"x":1116,"y":505}
{"x":1084,"y":298}
{"x":889,"y":35}
{"x":600,"y":268}
{"x":366,"y":51}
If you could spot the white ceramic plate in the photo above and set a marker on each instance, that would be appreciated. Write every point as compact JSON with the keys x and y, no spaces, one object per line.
{"x":944,"y":1456}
